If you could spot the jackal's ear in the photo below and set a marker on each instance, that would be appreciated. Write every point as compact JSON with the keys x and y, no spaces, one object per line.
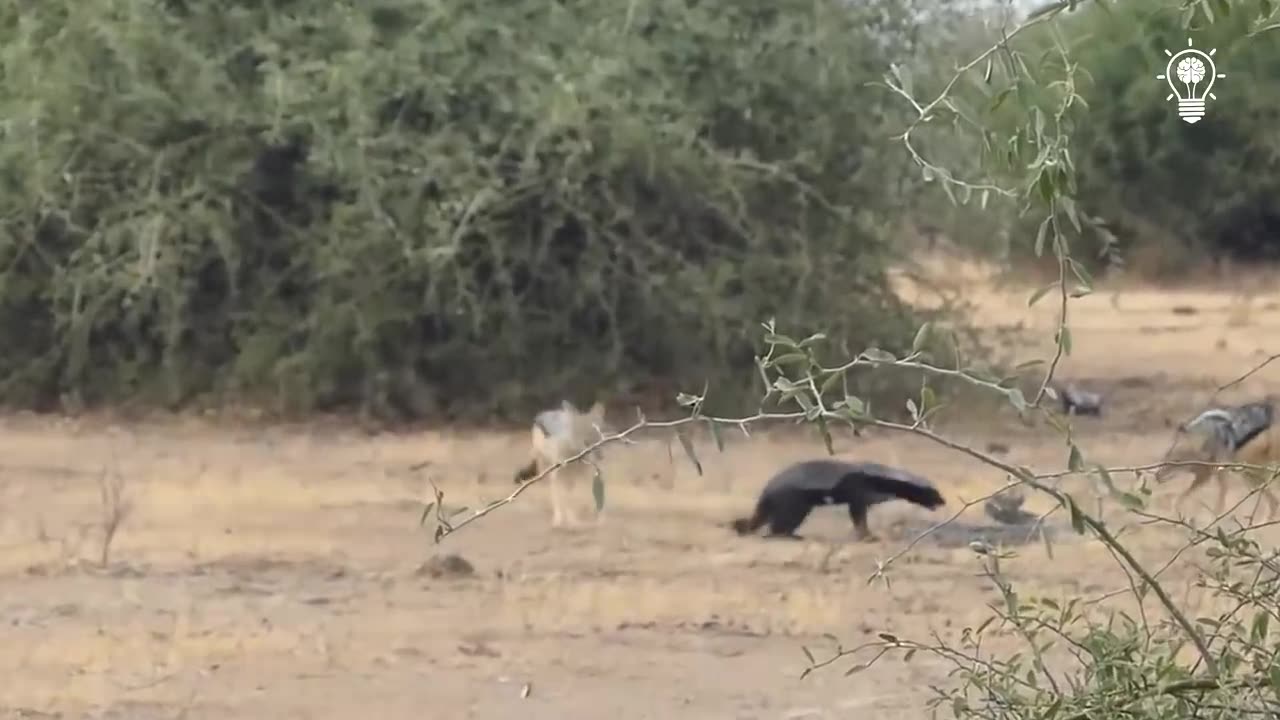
{"x":597,"y":411}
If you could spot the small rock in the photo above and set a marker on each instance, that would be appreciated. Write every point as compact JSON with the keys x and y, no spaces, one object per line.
{"x":997,"y":448}
{"x":448,"y":565}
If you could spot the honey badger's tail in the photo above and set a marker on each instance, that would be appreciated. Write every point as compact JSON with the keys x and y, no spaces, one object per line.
{"x":745,"y":525}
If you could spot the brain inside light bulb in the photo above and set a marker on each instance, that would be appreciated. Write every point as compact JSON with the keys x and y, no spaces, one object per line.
{"x":1190,"y":70}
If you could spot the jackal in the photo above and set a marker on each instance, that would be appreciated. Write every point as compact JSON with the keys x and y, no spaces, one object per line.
{"x":1244,"y":434}
{"x":559,"y":435}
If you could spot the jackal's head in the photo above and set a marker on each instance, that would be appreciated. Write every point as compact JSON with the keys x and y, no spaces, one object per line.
{"x":591,"y":421}
{"x":583,"y":427}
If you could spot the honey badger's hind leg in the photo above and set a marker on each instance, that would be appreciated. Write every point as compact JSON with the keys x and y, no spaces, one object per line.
{"x":787,"y":512}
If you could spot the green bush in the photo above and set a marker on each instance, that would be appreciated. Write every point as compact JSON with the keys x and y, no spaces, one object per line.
{"x":1176,"y":192}
{"x":420,"y":208}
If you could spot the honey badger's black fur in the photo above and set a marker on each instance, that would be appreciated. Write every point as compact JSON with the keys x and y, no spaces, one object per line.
{"x":789,"y":497}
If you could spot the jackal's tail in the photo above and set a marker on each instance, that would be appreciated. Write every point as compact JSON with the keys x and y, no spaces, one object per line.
{"x":526,"y":473}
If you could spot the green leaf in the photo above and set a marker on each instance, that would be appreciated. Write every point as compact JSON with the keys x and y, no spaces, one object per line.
{"x":426,"y":510}
{"x":1040,"y":292}
{"x":1075,"y":461}
{"x":1275,"y":680}
{"x":812,"y":339}
{"x":688,"y":449}
{"x":827,"y":384}
{"x":986,"y":75}
{"x":911,"y":408}
{"x":1042,"y":233}
{"x":597,"y":489}
{"x":946,"y":189}
{"x":1065,"y":338}
{"x":903,"y":76}
{"x":1129,"y":500}
{"x":811,"y":411}
{"x":1000,"y":98}
{"x":1069,"y":206}
{"x":928,"y":400}
{"x":878,"y":355}
{"x":1048,"y":544}
{"x":1045,"y":185}
{"x":716,"y":435}
{"x":1105,"y":476}
{"x":922,"y":337}
{"x":859,"y":667}
{"x":1016,"y":399}
{"x":790,"y":358}
{"x":1077,"y":519}
{"x":855,"y":404}
{"x":776,"y":339}
{"x":826,"y":434}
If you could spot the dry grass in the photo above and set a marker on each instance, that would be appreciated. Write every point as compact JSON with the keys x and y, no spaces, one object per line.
{"x":274,"y":572}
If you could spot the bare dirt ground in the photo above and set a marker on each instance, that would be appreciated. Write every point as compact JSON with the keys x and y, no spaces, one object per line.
{"x":279,"y":572}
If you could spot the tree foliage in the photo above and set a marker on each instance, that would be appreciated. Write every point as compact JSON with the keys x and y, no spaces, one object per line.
{"x":1145,"y":181}
{"x":419,"y":207}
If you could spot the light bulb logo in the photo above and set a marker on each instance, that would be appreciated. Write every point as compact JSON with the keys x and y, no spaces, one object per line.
{"x":1191,"y":67}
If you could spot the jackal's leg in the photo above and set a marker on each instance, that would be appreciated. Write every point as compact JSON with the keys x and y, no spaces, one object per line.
{"x":1261,"y":481}
{"x":568,"y":505}
{"x":557,"y":514}
{"x":567,"y":497}
{"x":1201,"y":477}
{"x":1222,"y":491}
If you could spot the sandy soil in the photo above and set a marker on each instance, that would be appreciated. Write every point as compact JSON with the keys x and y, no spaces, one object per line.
{"x":281,"y":572}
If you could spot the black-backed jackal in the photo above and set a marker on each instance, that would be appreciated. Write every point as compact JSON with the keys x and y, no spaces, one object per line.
{"x":559,"y":435}
{"x":1245,"y":434}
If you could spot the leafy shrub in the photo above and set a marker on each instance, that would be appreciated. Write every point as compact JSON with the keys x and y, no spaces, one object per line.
{"x":418,"y":208}
{"x":1170,"y":192}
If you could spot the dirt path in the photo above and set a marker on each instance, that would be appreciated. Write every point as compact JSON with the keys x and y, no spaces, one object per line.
{"x":278,"y":573}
